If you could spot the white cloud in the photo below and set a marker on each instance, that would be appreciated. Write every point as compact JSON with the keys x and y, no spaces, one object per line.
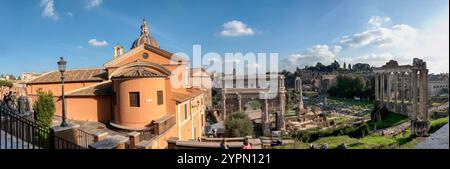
{"x":236,"y":28}
{"x":96,"y":43}
{"x":432,"y":45}
{"x":400,"y":42}
{"x":70,"y":14}
{"x":49,"y":9}
{"x":399,"y":35}
{"x":374,"y":59}
{"x":93,"y":3}
{"x":319,"y":53}
{"x":377,"y":21}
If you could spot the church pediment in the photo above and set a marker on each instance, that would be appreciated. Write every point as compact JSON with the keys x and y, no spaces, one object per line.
{"x":145,"y":53}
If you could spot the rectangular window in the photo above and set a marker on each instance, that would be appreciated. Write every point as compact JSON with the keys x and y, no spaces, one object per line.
{"x":185,"y":112}
{"x":160,"y":97}
{"x":134,"y":99}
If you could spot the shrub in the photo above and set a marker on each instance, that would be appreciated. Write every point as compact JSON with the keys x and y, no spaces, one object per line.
{"x":360,"y":131}
{"x":6,"y":83}
{"x":391,"y":119}
{"x":44,"y":108}
{"x":352,"y":131}
{"x":255,"y":105}
{"x":238,"y":124}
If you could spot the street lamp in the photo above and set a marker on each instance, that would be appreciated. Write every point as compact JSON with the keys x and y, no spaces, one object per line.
{"x":62,"y":69}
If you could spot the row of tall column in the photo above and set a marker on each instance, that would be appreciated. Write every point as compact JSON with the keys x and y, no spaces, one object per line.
{"x":394,"y":89}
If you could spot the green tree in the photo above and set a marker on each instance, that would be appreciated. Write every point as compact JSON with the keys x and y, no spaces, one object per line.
{"x":238,"y":124}
{"x":348,"y":87}
{"x":44,"y":108}
{"x":6,"y":83}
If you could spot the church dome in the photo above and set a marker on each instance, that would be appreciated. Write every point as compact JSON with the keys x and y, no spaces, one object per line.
{"x":145,"y":37}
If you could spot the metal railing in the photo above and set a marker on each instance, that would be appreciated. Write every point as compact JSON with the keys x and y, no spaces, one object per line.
{"x":84,"y":139}
{"x":18,"y":132}
{"x":147,"y":134}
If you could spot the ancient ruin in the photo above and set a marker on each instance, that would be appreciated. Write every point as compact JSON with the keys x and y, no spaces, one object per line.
{"x":298,"y":88}
{"x":404,"y":89}
{"x":234,"y":97}
{"x":306,"y":117}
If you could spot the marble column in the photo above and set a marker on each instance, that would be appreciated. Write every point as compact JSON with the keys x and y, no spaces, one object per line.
{"x":282,"y":102}
{"x":224,"y":105}
{"x":402,"y":92}
{"x":265,"y":117}
{"x":382,"y":88}
{"x":266,"y":111}
{"x":389,"y":88}
{"x":396,"y":87}
{"x":414,"y":94}
{"x":377,"y":96}
{"x":423,"y":115}
{"x":298,"y":84}
{"x":300,"y":104}
{"x":224,"y":99}
{"x":280,"y":120}
{"x":239,"y":96}
{"x":402,"y":87}
{"x":409,"y":88}
{"x":395,"y":96}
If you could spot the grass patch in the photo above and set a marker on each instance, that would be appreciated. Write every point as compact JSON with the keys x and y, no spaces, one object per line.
{"x":333,"y":142}
{"x":369,"y":142}
{"x":255,"y":104}
{"x":392,"y":119}
{"x":411,"y":144}
{"x":339,"y":119}
{"x":436,"y":124}
{"x":402,"y":141}
{"x":377,"y":141}
{"x":436,"y":104}
{"x":310,"y":93}
{"x":367,"y":104}
{"x":403,"y":138}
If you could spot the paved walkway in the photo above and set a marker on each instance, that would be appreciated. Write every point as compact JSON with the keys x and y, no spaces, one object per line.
{"x":438,"y":140}
{"x":89,"y":127}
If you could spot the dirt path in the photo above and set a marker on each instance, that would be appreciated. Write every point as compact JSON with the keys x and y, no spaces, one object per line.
{"x":394,"y":130}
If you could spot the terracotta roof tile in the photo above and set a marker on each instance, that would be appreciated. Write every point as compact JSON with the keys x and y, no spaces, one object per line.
{"x":75,"y":75}
{"x":186,"y":95}
{"x":100,"y":89}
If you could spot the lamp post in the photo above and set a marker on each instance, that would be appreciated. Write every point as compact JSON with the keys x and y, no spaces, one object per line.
{"x":62,"y":69}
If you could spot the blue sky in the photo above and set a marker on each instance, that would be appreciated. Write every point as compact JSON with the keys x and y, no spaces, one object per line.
{"x":34,"y":33}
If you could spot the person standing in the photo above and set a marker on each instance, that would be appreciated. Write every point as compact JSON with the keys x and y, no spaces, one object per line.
{"x":223,"y":144}
{"x":247,"y":144}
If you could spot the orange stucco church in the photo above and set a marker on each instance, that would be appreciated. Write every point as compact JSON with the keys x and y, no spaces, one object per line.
{"x":133,"y":91}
